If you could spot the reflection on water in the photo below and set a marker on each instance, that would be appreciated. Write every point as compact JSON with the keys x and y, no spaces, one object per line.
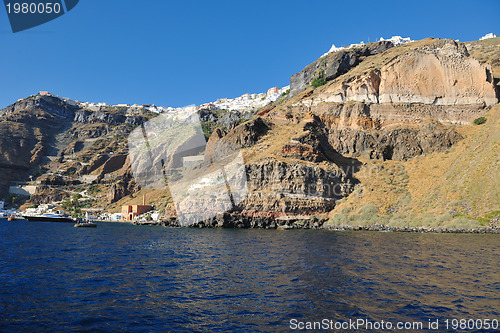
{"x":118,"y":277}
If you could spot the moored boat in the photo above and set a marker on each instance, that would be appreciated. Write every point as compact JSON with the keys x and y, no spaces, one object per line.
{"x":85,"y":225}
{"x":49,"y":217}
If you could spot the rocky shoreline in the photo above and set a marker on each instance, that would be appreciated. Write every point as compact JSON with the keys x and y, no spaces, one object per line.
{"x":383,"y":228}
{"x":233,"y":221}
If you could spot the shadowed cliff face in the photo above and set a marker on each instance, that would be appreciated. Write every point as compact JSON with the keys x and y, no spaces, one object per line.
{"x":334,"y":65}
{"x":27,"y":130}
{"x":487,"y":51}
{"x":68,"y":141}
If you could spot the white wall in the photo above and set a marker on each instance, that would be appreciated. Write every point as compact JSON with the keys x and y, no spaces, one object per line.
{"x":22,"y":190}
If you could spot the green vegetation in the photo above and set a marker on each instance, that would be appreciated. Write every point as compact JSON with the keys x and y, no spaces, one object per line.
{"x":174,"y":176}
{"x":493,"y":214}
{"x":40,"y":172}
{"x":85,"y":159}
{"x":479,"y":121}
{"x":485,"y":220}
{"x":94,"y":188}
{"x":318,"y":82}
{"x":11,"y":199}
{"x":208,"y":127}
{"x":99,"y":144}
{"x":73,"y":205}
{"x":241,"y":121}
{"x":368,"y":216}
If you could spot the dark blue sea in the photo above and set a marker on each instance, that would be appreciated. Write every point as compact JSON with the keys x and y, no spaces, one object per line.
{"x":124,"y":278}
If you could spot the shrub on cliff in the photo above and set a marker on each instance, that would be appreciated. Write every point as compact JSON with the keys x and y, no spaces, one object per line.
{"x":463,"y":222}
{"x":479,"y":121}
{"x":367,"y":215}
{"x":318,"y":82}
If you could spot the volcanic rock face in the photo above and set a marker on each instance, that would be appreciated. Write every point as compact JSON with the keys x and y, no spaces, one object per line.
{"x":49,"y":104}
{"x":437,"y":73}
{"x":93,"y":164}
{"x":380,"y":103}
{"x":213,"y":144}
{"x":280,"y":188}
{"x":441,"y":74}
{"x":125,"y":185}
{"x":387,"y":107}
{"x":220,"y":144}
{"x":332,"y":66}
{"x":399,"y":144}
{"x":45,"y":195}
{"x":304,"y":152}
{"x":27,"y":128}
{"x":86,"y":116}
{"x":301,"y":154}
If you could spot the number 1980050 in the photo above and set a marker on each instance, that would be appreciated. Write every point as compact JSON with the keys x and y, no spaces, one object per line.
{"x":33,"y":8}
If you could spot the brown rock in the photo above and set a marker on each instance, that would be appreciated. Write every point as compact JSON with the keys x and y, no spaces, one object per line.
{"x":438,"y":73}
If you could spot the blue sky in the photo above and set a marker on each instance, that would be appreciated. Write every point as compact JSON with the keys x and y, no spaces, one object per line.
{"x":177,"y":53}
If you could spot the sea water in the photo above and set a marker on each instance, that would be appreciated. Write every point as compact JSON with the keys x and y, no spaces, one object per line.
{"x":119,"y":277}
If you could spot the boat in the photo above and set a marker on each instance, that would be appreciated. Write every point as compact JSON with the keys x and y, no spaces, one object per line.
{"x":12,"y":218}
{"x":85,"y":225}
{"x":49,"y":217}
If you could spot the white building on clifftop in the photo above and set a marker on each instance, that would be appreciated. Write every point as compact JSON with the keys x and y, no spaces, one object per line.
{"x":395,"y":40}
{"x":488,"y":36}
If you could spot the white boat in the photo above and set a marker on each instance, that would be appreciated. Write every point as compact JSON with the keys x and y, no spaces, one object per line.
{"x":49,"y":217}
{"x":85,"y":225}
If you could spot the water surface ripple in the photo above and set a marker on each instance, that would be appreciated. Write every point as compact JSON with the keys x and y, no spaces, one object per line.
{"x":119,"y":277}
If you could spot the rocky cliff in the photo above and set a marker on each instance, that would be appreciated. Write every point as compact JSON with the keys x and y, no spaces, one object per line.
{"x":395,"y":104}
{"x":351,"y":132}
{"x":27,"y":130}
{"x":377,"y":103}
{"x":428,"y":72}
{"x":332,"y":66}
